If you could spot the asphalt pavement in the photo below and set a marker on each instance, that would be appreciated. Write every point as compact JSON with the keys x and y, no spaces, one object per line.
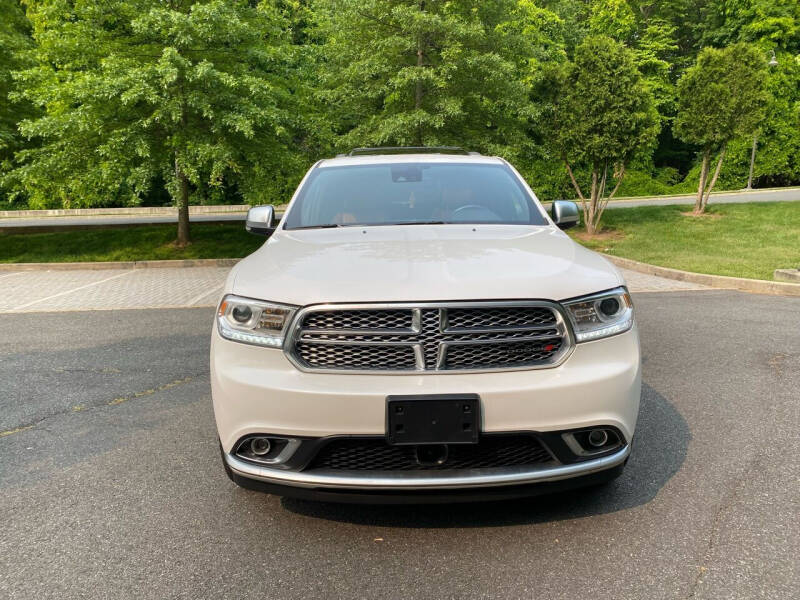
{"x":741,"y":197}
{"x":111,"y":484}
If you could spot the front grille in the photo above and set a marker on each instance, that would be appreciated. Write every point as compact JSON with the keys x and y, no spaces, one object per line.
{"x":364,"y":454}
{"x":429,"y":337}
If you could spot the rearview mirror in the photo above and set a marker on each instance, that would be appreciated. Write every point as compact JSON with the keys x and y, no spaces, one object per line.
{"x":564,"y":213}
{"x":261,"y":220}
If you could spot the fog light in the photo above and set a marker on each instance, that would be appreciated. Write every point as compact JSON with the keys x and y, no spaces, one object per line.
{"x":598,"y":437}
{"x":260,"y":446}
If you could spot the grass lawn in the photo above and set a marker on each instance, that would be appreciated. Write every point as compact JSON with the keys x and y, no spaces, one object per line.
{"x":209,"y":240}
{"x":739,"y":240}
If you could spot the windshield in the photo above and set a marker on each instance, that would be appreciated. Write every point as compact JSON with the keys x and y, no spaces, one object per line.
{"x":412,"y":194}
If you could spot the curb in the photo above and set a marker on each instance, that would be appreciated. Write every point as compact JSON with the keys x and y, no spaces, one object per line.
{"x":791,"y":275}
{"x":757,"y":286}
{"x":138,"y":264}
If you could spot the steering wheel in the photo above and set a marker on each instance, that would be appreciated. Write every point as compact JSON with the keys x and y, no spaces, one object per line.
{"x":468,"y":207}
{"x":479,"y":213}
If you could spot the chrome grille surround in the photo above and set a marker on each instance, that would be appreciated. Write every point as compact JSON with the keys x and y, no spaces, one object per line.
{"x":429,"y":337}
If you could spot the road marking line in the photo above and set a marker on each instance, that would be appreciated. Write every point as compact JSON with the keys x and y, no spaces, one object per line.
{"x":204,"y":294}
{"x":82,"y":287}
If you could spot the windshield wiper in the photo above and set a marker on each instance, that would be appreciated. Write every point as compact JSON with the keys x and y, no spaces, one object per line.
{"x":417,"y":223}
{"x":325,"y":226}
{"x":331,"y":225}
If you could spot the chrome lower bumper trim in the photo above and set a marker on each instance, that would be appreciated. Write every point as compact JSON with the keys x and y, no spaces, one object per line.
{"x":387,"y":480}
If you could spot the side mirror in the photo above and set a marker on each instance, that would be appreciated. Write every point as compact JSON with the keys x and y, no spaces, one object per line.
{"x":564,"y":213}
{"x":261,"y":220}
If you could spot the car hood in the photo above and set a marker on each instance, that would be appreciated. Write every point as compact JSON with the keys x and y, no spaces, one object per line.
{"x":421,"y":263}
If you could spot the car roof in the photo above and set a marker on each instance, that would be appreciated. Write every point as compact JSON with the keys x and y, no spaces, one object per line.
{"x":377,"y":159}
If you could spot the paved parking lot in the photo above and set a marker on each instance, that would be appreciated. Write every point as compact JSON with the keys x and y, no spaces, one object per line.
{"x":105,"y":289}
{"x":111,"y":484}
{"x":37,"y":291}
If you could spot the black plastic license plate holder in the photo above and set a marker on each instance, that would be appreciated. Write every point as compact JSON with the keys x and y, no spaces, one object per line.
{"x":433,"y":419}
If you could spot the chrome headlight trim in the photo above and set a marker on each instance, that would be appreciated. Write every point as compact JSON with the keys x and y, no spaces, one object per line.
{"x":256,"y":322}
{"x":591,"y":318}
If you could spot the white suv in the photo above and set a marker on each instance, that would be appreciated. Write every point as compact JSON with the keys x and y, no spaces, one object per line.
{"x":417,"y":328}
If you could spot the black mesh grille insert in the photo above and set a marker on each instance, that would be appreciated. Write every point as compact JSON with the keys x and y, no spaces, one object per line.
{"x":358,"y":319}
{"x":326,"y":356}
{"x":374,"y":454}
{"x":512,"y":316}
{"x":490,"y":356}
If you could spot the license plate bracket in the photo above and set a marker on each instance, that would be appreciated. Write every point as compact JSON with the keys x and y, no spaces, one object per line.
{"x":433,"y":419}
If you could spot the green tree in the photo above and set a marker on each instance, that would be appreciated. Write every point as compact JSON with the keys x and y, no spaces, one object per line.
{"x":639,"y":27}
{"x":427,"y":72}
{"x":614,"y":18}
{"x":722,"y":96}
{"x":605,"y":115}
{"x":188,"y":93}
{"x":15,"y":39}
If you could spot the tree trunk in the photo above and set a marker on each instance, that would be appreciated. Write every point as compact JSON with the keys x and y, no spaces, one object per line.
{"x":714,"y":178}
{"x":604,"y":203}
{"x":183,"y":207}
{"x":752,"y":162}
{"x":591,"y":221}
{"x":701,"y":187}
{"x":577,"y":190}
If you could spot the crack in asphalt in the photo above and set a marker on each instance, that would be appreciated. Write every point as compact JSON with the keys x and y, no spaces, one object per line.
{"x":727,"y":502}
{"x":116,"y":401}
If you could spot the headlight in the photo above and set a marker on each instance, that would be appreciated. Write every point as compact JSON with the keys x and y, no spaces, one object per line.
{"x":253,"y":321}
{"x":601,"y":315}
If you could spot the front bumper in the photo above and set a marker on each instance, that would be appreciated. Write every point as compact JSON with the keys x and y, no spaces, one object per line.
{"x":432,"y":495}
{"x":258,"y":391}
{"x":424,"y":480}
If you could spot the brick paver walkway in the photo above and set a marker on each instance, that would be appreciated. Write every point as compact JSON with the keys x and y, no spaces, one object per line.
{"x":39,"y":291}
{"x":44,"y":291}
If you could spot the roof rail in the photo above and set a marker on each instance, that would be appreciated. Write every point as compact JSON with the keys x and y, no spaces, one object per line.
{"x":409,"y":150}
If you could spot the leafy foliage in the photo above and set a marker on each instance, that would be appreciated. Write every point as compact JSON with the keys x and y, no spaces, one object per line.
{"x":721,"y":97}
{"x":15,"y":39}
{"x":604,"y":117}
{"x":432,"y":72}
